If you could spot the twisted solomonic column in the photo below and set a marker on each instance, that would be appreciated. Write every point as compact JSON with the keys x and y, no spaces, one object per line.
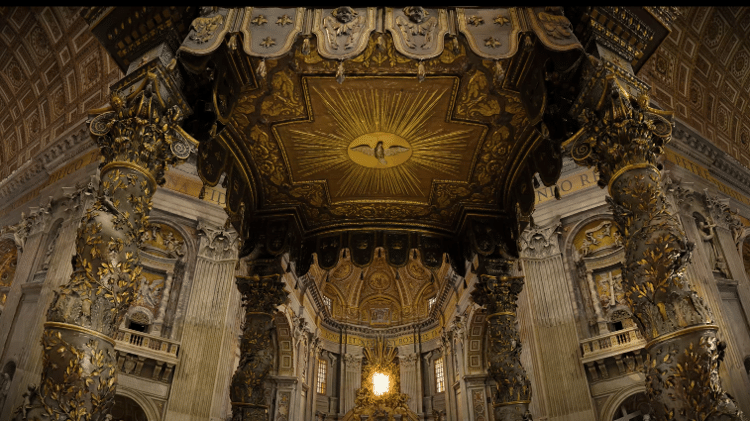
{"x":139,"y":137}
{"x":498,"y":293}
{"x":622,"y":137}
{"x":262,"y":291}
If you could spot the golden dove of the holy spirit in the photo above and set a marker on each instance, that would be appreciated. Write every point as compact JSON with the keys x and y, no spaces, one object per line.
{"x":379,"y":151}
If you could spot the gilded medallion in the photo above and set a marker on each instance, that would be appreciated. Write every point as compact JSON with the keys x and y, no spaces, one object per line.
{"x":380,"y":280}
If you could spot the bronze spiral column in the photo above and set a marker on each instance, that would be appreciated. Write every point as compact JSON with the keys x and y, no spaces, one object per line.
{"x":622,"y":137}
{"x":262,"y":291}
{"x":498,"y":294}
{"x":139,"y":136}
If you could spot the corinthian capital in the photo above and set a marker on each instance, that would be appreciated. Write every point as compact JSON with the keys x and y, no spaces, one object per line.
{"x":538,"y":242}
{"x":217,"y":243}
{"x":141,"y":125}
{"x":618,"y":128}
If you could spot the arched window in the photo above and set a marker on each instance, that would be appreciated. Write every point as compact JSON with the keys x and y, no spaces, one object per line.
{"x":126,"y":409}
{"x":139,"y":321}
{"x":634,"y":408}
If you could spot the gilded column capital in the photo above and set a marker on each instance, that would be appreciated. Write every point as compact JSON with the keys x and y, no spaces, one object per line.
{"x":498,"y":293}
{"x":140,"y":128}
{"x":618,"y":129}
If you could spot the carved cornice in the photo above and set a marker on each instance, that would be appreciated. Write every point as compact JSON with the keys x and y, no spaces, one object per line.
{"x":719,"y":164}
{"x":38,"y":168}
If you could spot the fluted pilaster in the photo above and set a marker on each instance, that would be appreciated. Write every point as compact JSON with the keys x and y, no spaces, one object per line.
{"x":206,"y":352}
{"x":563,"y":384}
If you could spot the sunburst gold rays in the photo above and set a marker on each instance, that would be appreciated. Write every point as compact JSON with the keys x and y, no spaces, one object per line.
{"x":357,"y":113}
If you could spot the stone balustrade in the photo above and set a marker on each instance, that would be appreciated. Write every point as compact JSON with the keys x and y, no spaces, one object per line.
{"x":611,"y":344}
{"x":150,"y":346}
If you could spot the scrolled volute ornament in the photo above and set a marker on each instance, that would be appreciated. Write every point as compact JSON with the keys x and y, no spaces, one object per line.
{"x":142,"y":129}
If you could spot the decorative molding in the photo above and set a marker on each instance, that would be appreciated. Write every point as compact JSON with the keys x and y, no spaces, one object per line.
{"x":540,"y":242}
{"x":217,"y":243}
{"x":34,"y":171}
{"x":720,"y":164}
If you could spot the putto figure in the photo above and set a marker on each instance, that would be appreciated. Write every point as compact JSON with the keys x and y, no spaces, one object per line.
{"x":418,"y":24}
{"x":343,"y":21}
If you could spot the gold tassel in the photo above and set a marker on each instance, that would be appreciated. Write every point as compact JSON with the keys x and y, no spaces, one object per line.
{"x":340,"y":73}
{"x":499,"y":73}
{"x":232,"y":43}
{"x":261,"y":70}
{"x":306,"y":46}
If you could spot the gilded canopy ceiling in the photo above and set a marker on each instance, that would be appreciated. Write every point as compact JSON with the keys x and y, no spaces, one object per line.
{"x":375,"y":121}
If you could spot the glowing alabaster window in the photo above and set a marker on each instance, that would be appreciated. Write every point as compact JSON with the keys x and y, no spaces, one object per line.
{"x":431,"y":303}
{"x":380,"y":383}
{"x":322,"y":372}
{"x":327,"y":303}
{"x":439,"y":375}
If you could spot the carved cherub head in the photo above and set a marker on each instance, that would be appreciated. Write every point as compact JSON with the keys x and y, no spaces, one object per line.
{"x":416,"y":14}
{"x":344,"y":14}
{"x":117,"y":101}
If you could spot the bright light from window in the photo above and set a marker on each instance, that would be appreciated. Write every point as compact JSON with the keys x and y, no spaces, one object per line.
{"x":380,"y":383}
{"x":439,"y":370}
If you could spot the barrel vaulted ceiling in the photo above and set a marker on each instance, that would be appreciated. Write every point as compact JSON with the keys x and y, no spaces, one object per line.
{"x":52,"y":71}
{"x":702,"y":72}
